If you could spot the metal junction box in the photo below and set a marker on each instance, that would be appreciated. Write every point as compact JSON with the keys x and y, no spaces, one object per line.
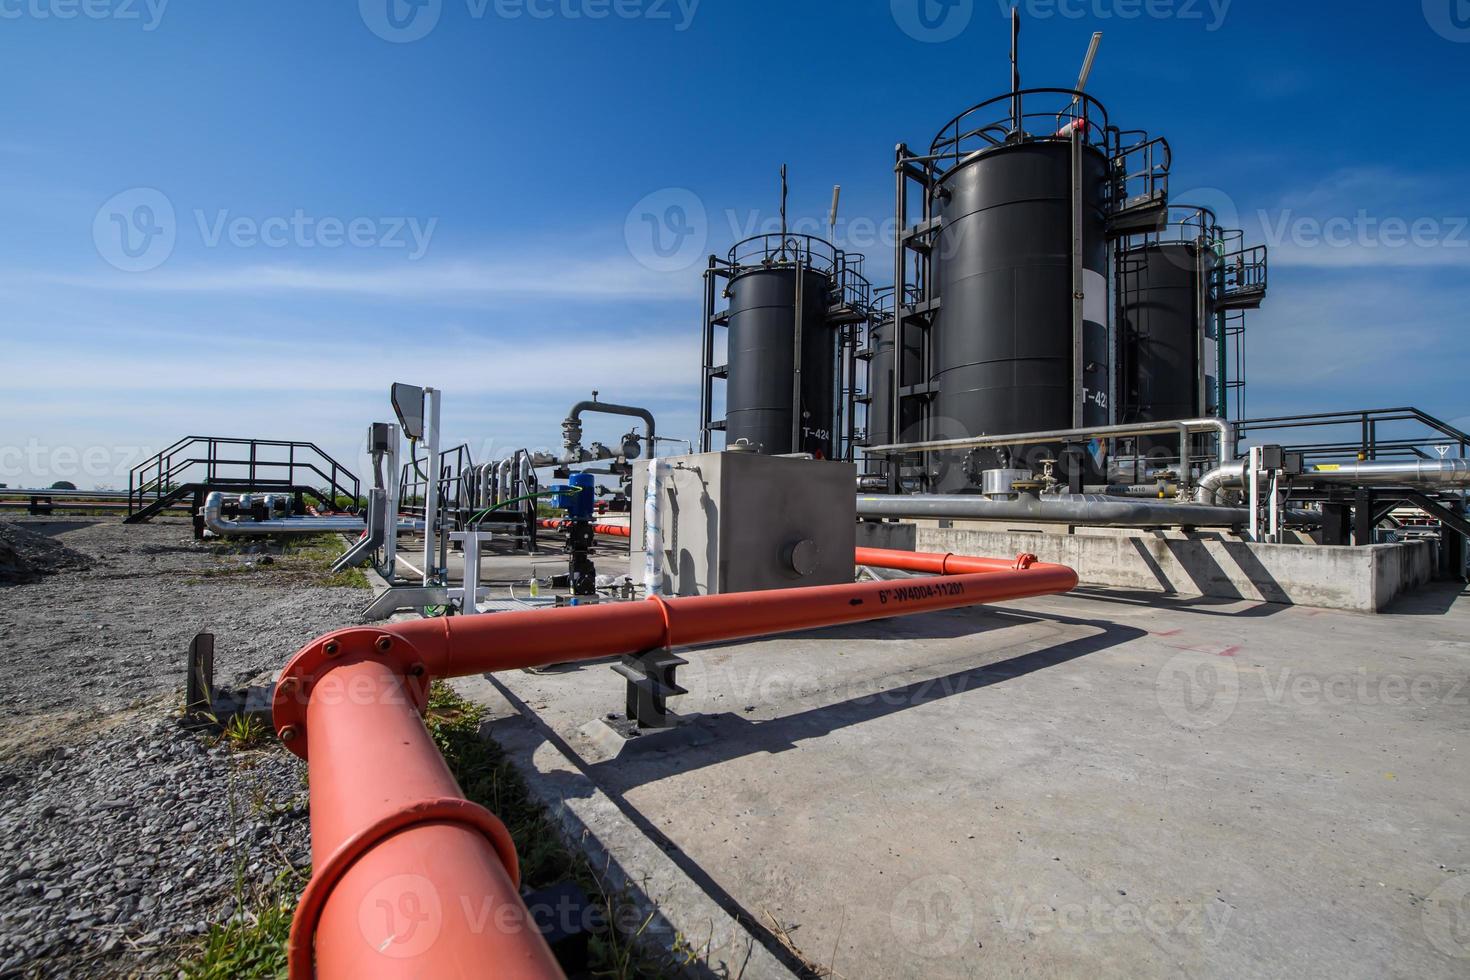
{"x":743,"y":522}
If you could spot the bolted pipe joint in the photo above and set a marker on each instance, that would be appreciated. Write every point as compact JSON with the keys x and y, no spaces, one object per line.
{"x":338,"y":649}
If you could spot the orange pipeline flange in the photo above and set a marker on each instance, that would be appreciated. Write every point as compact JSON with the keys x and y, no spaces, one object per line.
{"x":300,"y":948}
{"x":299,"y":678}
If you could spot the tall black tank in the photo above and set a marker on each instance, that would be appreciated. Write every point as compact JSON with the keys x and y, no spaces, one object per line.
{"x":1002,"y":270}
{"x":1165,"y":317}
{"x":762,"y":360}
{"x":880,"y":379}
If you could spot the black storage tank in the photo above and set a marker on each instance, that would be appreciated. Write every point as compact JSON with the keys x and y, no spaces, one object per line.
{"x":880,"y":378}
{"x":762,"y":360}
{"x":1166,"y":317}
{"x":1002,"y":269}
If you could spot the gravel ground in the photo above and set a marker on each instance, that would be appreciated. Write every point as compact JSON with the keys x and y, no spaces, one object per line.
{"x":122,"y":835}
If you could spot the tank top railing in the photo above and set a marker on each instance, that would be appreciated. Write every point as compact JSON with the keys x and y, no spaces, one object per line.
{"x":1048,"y":113}
{"x":1141,"y":169}
{"x":815,"y":253}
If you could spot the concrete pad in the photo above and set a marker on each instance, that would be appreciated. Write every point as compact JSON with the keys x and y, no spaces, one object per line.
{"x":1210,"y":563}
{"x":1108,"y":784}
{"x":669,"y":906}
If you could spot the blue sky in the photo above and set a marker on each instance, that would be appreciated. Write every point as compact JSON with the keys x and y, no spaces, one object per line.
{"x":318,"y":201}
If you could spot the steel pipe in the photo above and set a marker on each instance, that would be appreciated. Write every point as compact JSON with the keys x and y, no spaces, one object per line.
{"x":409,"y":878}
{"x":572,"y":428}
{"x":1079,"y":509}
{"x":216,"y":522}
{"x":1224,"y":431}
{"x":1373,"y":473}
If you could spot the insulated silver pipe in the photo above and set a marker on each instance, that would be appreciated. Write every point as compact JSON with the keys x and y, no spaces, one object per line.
{"x":1392,"y":473}
{"x":1080,"y":509}
{"x":1224,"y":432}
{"x":215,"y":521}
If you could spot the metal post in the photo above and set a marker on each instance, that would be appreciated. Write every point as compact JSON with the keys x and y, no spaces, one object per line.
{"x":1222,"y":385}
{"x":1078,"y":393}
{"x":1253,"y":488}
{"x":431,"y":493}
{"x":706,"y":388}
{"x":471,"y":543}
{"x":796,"y":440}
{"x":899,"y":337}
{"x":1363,"y":516}
{"x":1274,"y":527}
{"x":391,"y":488}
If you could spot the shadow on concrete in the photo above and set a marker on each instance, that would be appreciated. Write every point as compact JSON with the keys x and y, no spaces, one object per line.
{"x":1197,"y":605}
{"x":1434,"y":599}
{"x":567,"y":785}
{"x":1264,"y":581}
{"x":736,"y":736}
{"x":1206,"y":574}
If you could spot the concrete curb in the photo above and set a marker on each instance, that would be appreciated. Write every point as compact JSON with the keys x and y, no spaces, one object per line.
{"x":681,"y":917}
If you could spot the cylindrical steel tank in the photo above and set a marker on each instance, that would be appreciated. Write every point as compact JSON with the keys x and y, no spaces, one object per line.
{"x":880,"y":385}
{"x":762,"y":361}
{"x":1164,"y":313}
{"x":1002,"y":270}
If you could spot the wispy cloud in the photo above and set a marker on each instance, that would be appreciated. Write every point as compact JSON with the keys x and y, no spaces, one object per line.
{"x":1369,"y":218}
{"x":489,"y":278}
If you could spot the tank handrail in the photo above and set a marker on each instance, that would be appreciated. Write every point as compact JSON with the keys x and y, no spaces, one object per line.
{"x":809,"y":250}
{"x":1079,"y":105}
{"x":1186,"y":223}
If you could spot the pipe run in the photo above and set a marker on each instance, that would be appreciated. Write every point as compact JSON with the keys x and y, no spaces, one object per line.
{"x":572,"y":429}
{"x":1079,"y":509}
{"x":611,"y":530}
{"x":1223,"y":430}
{"x":226,"y":527}
{"x":409,"y":879}
{"x":1390,"y":473}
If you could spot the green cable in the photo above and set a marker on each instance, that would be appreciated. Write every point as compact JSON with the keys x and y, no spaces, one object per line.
{"x":516,"y":500}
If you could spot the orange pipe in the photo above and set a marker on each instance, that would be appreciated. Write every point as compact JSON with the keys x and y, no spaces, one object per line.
{"x":612,"y":530}
{"x":946,"y":564}
{"x":395,"y":854}
{"x":410,"y":880}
